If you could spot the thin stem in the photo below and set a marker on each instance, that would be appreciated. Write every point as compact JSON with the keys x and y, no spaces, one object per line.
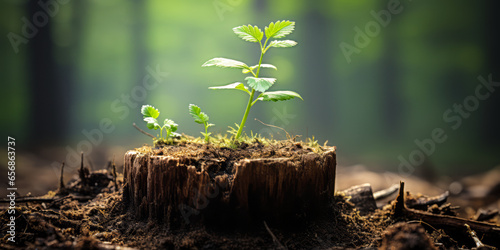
{"x":262,"y":51}
{"x":255,"y":100}
{"x":240,"y":129}
{"x":250,"y":100}
{"x":206,"y":131}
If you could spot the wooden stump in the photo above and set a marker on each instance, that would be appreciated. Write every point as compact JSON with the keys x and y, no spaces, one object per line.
{"x":177,"y":190}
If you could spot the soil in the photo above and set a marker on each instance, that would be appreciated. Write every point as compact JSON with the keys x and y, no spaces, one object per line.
{"x":202,"y":155}
{"x":89,"y":213}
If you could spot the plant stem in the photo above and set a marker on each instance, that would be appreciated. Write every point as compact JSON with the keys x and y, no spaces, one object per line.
{"x":250,"y":100}
{"x":206,"y":131}
{"x":240,"y":129}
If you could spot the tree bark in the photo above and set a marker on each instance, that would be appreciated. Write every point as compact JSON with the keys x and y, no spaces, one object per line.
{"x":173,"y":190}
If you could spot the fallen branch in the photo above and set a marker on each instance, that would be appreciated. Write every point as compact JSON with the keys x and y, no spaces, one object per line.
{"x":483,"y":214}
{"x":362,"y":197}
{"x":422,"y":203}
{"x":386,"y":192}
{"x":442,"y":221}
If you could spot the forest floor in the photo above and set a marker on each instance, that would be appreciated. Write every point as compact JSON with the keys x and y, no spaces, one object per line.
{"x":98,"y":219}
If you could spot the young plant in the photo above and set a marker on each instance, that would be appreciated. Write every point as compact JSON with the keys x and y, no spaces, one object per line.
{"x":201,"y":118}
{"x":254,"y":34}
{"x":150,"y":114}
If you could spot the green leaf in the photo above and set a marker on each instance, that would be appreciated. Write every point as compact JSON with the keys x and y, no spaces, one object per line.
{"x":236,"y":85}
{"x":260,"y":84}
{"x":149,"y":111}
{"x":152,"y":123}
{"x":279,"y":29}
{"x":282,"y":43}
{"x":199,"y":117}
{"x":264,"y":65}
{"x":249,"y":33}
{"x":225,"y":63}
{"x":278,"y":96}
{"x":170,"y":125}
{"x":269,"y":66}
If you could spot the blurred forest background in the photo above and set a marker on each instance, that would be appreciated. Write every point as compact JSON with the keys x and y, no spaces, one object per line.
{"x":82,"y":65}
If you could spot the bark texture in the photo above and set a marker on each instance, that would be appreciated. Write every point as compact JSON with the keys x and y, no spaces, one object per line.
{"x":181,"y":190}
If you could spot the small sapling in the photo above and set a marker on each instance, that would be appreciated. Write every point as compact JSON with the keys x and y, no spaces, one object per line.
{"x":254,"y":34}
{"x":150,"y":114}
{"x":201,"y":118}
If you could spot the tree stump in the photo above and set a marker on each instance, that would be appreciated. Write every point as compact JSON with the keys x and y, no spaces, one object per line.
{"x":180,"y":190}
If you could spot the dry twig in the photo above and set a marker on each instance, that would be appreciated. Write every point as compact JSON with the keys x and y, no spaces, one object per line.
{"x":275,"y":240}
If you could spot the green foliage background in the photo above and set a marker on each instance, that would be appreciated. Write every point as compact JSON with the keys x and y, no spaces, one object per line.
{"x":393,"y":92}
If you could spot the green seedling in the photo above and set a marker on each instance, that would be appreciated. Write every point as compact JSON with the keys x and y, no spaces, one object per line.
{"x":254,"y":34}
{"x":201,"y":118}
{"x":150,"y":114}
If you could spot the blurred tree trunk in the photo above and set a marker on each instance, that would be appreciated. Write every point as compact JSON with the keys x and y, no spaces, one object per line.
{"x":389,"y":81}
{"x":316,"y":68}
{"x":491,"y":120}
{"x":139,"y":34}
{"x":48,"y":101}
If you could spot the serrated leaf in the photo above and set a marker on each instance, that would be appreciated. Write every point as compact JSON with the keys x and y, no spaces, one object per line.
{"x":282,"y":43}
{"x":249,"y":33}
{"x":199,"y":117}
{"x":149,"y":111}
{"x":225,"y":63}
{"x":152,"y":123}
{"x":194,"y":110}
{"x":170,"y":125}
{"x":236,"y":85}
{"x":279,"y":29}
{"x":278,"y":96}
{"x":260,"y":84}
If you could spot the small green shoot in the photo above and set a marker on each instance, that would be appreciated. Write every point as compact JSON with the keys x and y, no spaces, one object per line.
{"x":150,"y":115}
{"x":201,"y":118}
{"x":254,"y":34}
